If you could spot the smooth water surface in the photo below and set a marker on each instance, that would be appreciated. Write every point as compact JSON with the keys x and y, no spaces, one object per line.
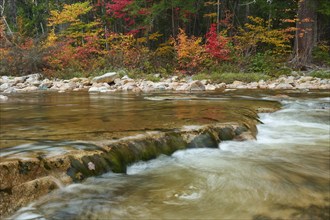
{"x":44,"y":122}
{"x":285,"y":174}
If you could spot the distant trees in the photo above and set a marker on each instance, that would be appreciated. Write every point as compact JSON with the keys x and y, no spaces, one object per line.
{"x":163,"y":35}
{"x":305,"y":37}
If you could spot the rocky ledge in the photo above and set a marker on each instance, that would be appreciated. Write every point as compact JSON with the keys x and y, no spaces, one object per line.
{"x":24,"y":180}
{"x":112,"y":82}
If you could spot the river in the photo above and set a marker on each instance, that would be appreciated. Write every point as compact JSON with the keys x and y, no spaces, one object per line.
{"x":284,"y":174}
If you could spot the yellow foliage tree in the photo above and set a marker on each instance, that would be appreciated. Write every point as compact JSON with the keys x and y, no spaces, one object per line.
{"x":71,"y":25}
{"x":258,"y":32}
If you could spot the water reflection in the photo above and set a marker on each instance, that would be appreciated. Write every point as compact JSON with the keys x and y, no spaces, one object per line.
{"x":84,"y":117}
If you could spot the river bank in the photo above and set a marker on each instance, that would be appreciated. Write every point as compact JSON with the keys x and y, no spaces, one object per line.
{"x":113,"y":82}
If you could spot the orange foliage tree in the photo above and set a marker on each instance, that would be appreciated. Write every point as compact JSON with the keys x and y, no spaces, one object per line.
{"x":190,"y":52}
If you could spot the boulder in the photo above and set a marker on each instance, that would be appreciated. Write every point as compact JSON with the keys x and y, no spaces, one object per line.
{"x":196,"y":86}
{"x":33,"y":79}
{"x":106,"y":78}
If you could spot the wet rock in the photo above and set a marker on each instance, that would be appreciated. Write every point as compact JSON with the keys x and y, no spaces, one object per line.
{"x":106,"y":78}
{"x":226,"y":133}
{"x":206,"y":140}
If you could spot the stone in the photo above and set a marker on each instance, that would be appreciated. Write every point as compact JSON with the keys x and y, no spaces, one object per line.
{"x":284,"y":86}
{"x":30,"y":88}
{"x":226,"y":134}
{"x":325,"y":86}
{"x":159,"y":86}
{"x":221,"y":86}
{"x":10,"y":90}
{"x":210,"y":87}
{"x":105,"y":78}
{"x":129,"y":86}
{"x":4,"y":86}
{"x":303,"y":85}
{"x":196,"y":86}
{"x":20,"y":79}
{"x":182,"y":87}
{"x":272,"y":86}
{"x":125,"y":77}
{"x":118,"y":82}
{"x":204,"y":81}
{"x":95,"y":89}
{"x":33,"y":78}
{"x":206,"y":140}
{"x":45,"y":84}
{"x":172,"y":85}
{"x":253,"y":85}
{"x":174,"y":78}
{"x":157,"y":75}
{"x":306,"y":78}
{"x":3,"y":98}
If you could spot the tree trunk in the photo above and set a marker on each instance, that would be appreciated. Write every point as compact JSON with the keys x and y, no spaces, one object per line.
{"x":305,"y":34}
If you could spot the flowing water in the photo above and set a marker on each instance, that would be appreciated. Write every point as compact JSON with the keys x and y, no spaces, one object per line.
{"x":284,"y":174}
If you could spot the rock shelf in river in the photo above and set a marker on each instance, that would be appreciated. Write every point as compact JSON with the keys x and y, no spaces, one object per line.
{"x":24,"y":180}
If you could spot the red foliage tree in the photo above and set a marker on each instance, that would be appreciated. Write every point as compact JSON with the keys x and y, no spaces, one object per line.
{"x":216,"y":45}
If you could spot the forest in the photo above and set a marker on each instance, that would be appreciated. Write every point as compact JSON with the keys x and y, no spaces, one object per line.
{"x":67,"y":38}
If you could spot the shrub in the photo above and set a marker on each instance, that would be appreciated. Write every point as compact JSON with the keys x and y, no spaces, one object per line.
{"x":22,"y":58}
